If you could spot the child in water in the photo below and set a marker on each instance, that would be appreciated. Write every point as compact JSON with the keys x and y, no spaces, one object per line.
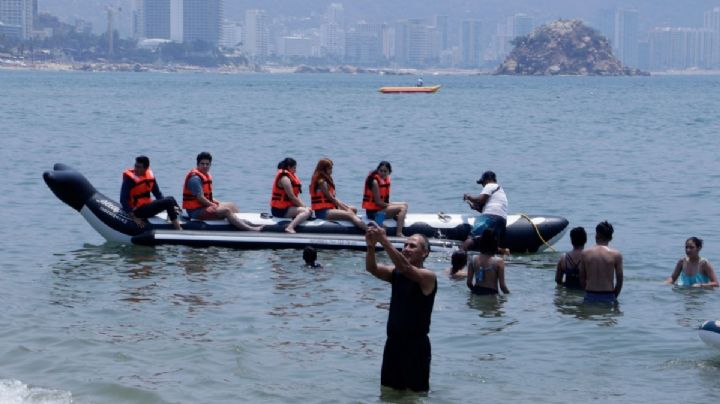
{"x":310,"y":257}
{"x":458,"y":260}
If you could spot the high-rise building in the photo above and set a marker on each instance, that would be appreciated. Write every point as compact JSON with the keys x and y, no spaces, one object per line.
{"x":158,"y":19}
{"x":441,"y":25}
{"x":679,"y":48}
{"x":256,"y":36}
{"x":605,"y":24}
{"x":711,"y":22}
{"x":231,"y":33}
{"x":332,"y":31}
{"x":202,"y":20}
{"x":16,"y":18}
{"x":362,"y":48}
{"x":471,"y":43}
{"x":625,"y":44}
{"x":519,"y":25}
{"x":414,"y":42}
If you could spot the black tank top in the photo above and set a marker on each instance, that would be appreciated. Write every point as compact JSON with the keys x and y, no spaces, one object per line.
{"x":410,"y":309}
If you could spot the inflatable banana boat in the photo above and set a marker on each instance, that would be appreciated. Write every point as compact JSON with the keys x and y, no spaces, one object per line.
{"x":446,"y":231}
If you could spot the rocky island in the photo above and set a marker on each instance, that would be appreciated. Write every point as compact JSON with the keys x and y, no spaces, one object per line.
{"x":564,"y":47}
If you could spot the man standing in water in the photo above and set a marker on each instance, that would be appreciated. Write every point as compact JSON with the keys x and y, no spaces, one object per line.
{"x":406,"y":359}
{"x":599,"y":265}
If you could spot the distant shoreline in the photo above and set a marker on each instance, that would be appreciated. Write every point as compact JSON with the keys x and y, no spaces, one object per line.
{"x":300,"y":69}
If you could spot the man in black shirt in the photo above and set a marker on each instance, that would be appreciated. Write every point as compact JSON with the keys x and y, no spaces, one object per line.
{"x":406,"y":359}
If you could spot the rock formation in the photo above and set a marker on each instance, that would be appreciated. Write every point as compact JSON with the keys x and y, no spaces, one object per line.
{"x":564,"y":47}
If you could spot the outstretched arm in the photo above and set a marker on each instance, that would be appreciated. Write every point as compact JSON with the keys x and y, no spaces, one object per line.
{"x":383,"y":272}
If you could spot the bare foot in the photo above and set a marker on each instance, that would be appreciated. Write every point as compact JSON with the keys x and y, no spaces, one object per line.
{"x":289,"y":230}
{"x":176,"y":225}
{"x":257,"y":228}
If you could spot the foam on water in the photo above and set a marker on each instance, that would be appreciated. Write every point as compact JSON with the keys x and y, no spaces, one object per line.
{"x":16,"y":392}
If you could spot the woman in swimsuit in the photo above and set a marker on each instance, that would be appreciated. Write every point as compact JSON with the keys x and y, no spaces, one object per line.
{"x":693,"y":270}
{"x":569,"y":264}
{"x":485,"y":271}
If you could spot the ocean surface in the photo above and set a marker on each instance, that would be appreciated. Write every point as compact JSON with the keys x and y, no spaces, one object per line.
{"x":85,"y":321}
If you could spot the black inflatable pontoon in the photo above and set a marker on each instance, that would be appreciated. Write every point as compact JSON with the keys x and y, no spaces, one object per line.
{"x":446,"y":231}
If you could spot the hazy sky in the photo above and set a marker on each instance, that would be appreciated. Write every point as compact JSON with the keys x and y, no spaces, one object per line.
{"x":652,"y":12}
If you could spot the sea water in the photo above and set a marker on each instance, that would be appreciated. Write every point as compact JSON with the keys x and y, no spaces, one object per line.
{"x":89,"y":322}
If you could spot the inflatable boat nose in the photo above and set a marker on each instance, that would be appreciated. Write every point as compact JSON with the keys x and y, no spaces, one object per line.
{"x":69,"y":186}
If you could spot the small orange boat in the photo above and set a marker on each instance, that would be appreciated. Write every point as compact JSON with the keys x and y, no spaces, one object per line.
{"x":408,"y":89}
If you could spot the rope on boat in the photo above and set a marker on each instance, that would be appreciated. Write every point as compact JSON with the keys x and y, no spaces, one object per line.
{"x":537,"y":231}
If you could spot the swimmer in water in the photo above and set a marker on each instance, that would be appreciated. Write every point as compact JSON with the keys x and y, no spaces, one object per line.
{"x":569,"y":264}
{"x":601,"y":268}
{"x":693,"y":270}
{"x":458,"y":260}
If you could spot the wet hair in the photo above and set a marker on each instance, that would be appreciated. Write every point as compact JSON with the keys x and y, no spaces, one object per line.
{"x":144,"y":160}
{"x":697,"y":241}
{"x":604,"y":231}
{"x":385,"y":164}
{"x":203,"y":156}
{"x":578,"y":237}
{"x":321,"y":173}
{"x":309,"y":255}
{"x":487,"y":243}
{"x":286,"y":163}
{"x":458,"y":260}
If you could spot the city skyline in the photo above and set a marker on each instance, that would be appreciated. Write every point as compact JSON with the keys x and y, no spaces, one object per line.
{"x":335,"y":34}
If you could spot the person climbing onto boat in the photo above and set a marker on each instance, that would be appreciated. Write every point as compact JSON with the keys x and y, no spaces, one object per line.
{"x":376,"y":198}
{"x":601,"y":268}
{"x":486,"y":272}
{"x":285,"y":201}
{"x":492,"y":203}
{"x":137,"y":185}
{"x":569,"y":264}
{"x":198,"y":197}
{"x":693,"y":270}
{"x":323,"y":200}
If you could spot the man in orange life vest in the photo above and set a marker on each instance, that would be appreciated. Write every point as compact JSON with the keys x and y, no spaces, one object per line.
{"x":138,"y":183}
{"x":198,"y":197}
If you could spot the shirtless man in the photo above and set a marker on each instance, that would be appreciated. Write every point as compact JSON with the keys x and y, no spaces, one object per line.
{"x":600,"y":264}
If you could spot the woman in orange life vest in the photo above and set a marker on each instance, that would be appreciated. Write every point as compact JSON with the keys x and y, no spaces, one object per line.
{"x":324,"y":202}
{"x":138,"y":183}
{"x":198,"y":197}
{"x":284,"y":201}
{"x":376,"y":198}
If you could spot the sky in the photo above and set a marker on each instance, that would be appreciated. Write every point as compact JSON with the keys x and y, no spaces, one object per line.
{"x":688,"y":13}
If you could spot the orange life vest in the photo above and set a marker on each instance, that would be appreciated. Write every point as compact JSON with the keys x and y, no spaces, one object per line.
{"x":142,"y":186}
{"x":383,"y":185}
{"x":317,"y":197}
{"x":190,"y":202}
{"x":279,"y":199}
